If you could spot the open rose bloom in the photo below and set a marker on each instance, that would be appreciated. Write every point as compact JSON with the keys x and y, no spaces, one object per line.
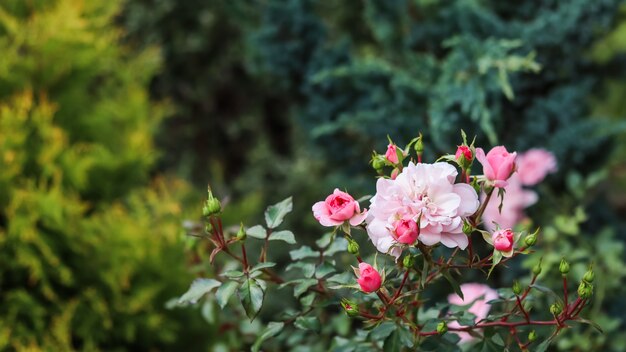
{"x":338,"y":208}
{"x":424,"y":194}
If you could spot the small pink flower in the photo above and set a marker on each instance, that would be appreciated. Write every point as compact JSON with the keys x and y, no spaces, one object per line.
{"x":479,"y":295}
{"x":392,"y":154}
{"x":369,"y":279}
{"x":534,"y":165}
{"x":503,"y":240}
{"x":338,"y":208}
{"x":498,"y":164}
{"x":406,"y":231}
{"x":464,"y":151}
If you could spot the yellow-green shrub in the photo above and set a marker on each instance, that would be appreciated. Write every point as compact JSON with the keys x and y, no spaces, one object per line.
{"x":89,"y":249}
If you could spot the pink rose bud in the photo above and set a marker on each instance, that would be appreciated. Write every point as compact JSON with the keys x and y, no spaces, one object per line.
{"x":392,"y":154}
{"x":369,"y":279}
{"x":394,"y":174}
{"x":338,"y":208}
{"x":503,"y":240}
{"x":405,"y":231}
{"x":498,"y":164}
{"x":464,"y":151}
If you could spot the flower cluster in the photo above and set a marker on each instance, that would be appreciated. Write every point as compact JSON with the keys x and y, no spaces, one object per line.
{"x":424,"y":194}
{"x":429,"y":215}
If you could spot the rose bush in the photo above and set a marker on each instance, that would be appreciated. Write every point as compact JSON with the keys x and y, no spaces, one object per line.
{"x":431,"y":216}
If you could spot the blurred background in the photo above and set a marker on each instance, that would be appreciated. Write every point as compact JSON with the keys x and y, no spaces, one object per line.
{"x":115,"y":114}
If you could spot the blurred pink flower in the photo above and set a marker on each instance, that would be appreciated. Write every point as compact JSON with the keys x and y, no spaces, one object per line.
{"x":516,"y":199}
{"x":534,"y":165}
{"x":478,"y":295}
{"x":427,"y":190}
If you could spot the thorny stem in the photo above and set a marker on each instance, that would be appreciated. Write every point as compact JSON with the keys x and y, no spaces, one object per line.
{"x":406,"y":276}
{"x":521,"y":308}
{"x":565,"y":290}
{"x":475,"y":218}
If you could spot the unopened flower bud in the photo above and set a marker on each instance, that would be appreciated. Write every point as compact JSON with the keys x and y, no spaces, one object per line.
{"x":585,"y":290}
{"x":537,"y":269}
{"x":419,"y":145}
{"x":442,"y":328}
{"x":517,"y":288}
{"x":530,"y":240}
{"x":378,"y":162}
{"x":556,"y":309}
{"x":350,"y":307}
{"x":532,"y":336}
{"x":589,"y":276}
{"x":467,"y":228}
{"x":408,"y":261}
{"x":464,"y":156}
{"x":564,"y":267}
{"x":212,"y":205}
{"x":241,"y":234}
{"x":353,"y":247}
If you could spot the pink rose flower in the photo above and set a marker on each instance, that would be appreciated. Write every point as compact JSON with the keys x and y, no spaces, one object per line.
{"x":338,"y":208}
{"x":479,"y":295}
{"x":421,"y":190}
{"x":369,"y":279}
{"x":392,"y":154}
{"x":406,"y":231}
{"x":503,"y":240}
{"x":464,"y":151}
{"x":498,"y":164}
{"x":534,"y":165}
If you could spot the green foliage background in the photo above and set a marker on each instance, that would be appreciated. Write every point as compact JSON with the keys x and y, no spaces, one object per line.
{"x":89,"y":245}
{"x":99,"y":99}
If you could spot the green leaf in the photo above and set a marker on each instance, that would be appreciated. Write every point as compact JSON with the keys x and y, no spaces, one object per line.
{"x":383,"y":330}
{"x":275,"y":214}
{"x":453,"y":282}
{"x":302,"y":286}
{"x":286,"y":236}
{"x":308,"y":269}
{"x":546,"y":290}
{"x":393,"y":342}
{"x":339,"y":245}
{"x":594,"y":324}
{"x":233,"y":274}
{"x":308,"y":323}
{"x":272,"y":329}
{"x":542,"y":347}
{"x":198,"y":288}
{"x":251,"y":296}
{"x":257,"y":231}
{"x":224,"y":293}
{"x":262,"y":266}
{"x":324,"y":269}
{"x":303,"y":252}
{"x":325,"y":240}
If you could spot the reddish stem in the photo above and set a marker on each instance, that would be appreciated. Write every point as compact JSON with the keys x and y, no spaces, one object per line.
{"x":521,"y":307}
